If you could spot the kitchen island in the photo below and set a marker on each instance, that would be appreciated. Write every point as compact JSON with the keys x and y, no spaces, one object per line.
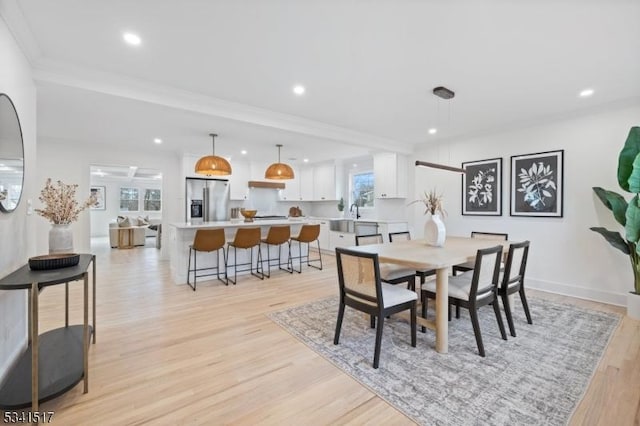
{"x":181,"y":236}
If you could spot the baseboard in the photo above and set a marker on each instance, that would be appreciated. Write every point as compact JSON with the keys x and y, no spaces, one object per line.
{"x":619,"y":299}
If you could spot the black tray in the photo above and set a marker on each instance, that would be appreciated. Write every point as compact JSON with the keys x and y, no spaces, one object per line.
{"x":53,"y":261}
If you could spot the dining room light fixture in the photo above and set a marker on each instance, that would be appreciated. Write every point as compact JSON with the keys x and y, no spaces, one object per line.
{"x":212,"y":165}
{"x":279,"y":170}
{"x":443,"y":93}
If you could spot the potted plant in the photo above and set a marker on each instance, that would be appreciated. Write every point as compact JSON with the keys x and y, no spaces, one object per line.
{"x":626,"y":213}
{"x":434,"y":230}
{"x":341,"y":205}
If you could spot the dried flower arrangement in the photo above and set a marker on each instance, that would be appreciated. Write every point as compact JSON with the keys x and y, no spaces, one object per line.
{"x":433,"y":203}
{"x":61,"y":207}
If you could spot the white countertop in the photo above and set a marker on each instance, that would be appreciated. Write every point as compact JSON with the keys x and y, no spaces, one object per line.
{"x":362,"y":219}
{"x":241,"y":223}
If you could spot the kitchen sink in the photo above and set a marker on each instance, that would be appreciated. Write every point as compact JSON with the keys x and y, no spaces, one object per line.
{"x":353,"y":226}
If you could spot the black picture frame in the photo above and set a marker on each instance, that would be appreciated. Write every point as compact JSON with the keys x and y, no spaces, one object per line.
{"x":537,"y":184}
{"x":482,"y":188}
{"x":100,"y":193}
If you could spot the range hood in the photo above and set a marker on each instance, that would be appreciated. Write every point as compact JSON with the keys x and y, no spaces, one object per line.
{"x":265,"y":184}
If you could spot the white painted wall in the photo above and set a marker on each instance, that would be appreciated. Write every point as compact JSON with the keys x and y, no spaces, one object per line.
{"x":100,"y":218}
{"x":60,"y":164}
{"x":16,"y":228}
{"x":565,"y":256}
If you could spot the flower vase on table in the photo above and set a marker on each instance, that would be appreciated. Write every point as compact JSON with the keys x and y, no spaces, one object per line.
{"x":434,"y":230}
{"x":60,"y":239}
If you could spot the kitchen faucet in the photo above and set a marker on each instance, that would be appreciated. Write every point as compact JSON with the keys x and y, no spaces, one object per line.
{"x":357,"y":210}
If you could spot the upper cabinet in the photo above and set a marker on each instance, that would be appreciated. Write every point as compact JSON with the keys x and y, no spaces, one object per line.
{"x":390,"y":171}
{"x":306,"y":183}
{"x":239,"y":180}
{"x":291,"y":191}
{"x":324,"y":182}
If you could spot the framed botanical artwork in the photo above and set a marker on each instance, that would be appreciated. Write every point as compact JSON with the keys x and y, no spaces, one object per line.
{"x":99,"y":193}
{"x":537,"y":184}
{"x":482,"y":188}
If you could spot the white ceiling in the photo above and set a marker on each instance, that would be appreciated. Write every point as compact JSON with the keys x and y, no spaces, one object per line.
{"x":369,"y":67}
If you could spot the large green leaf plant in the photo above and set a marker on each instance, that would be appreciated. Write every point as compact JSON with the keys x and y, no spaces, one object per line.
{"x":626,"y":213}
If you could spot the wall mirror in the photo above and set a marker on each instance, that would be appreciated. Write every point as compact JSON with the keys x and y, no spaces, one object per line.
{"x":11,"y":156}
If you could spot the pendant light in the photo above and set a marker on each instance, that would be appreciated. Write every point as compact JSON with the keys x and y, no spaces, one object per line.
{"x":279,"y":170}
{"x":212,"y":164}
{"x":443,"y":93}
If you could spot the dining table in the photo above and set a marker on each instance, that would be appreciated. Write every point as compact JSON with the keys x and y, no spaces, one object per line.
{"x":418,"y":255}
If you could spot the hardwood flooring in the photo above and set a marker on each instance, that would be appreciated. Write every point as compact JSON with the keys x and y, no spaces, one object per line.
{"x":168,"y":355}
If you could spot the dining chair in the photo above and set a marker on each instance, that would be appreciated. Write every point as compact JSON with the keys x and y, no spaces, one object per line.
{"x":467,"y":266}
{"x":512,"y":281}
{"x":406,"y":236}
{"x":391,"y":274}
{"x":475,"y":289}
{"x":361,"y":288}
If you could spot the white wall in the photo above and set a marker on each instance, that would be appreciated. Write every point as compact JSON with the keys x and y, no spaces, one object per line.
{"x":70,"y":162}
{"x":100,"y":218}
{"x":565,"y":256}
{"x":16,"y":228}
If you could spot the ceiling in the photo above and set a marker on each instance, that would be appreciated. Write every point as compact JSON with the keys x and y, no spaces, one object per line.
{"x":368,"y":68}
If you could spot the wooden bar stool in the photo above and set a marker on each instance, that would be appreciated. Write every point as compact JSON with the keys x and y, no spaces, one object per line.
{"x":207,"y":240}
{"x":277,"y":236}
{"x":245,"y":238}
{"x":308,"y":234}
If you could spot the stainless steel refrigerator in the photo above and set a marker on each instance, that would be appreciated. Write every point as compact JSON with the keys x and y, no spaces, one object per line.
{"x":207,"y":200}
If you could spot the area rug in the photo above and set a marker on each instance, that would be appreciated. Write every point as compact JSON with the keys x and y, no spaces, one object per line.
{"x":535,"y":378}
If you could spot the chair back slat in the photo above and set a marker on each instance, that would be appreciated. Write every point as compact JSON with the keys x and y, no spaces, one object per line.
{"x":399,"y":236}
{"x":486,"y":271}
{"x":489,"y":236}
{"x":363,"y":240}
{"x":208,"y":239}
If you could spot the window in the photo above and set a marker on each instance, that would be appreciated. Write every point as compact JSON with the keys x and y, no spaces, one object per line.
{"x":129,"y":199}
{"x":152,"y":201}
{"x":362,"y":185}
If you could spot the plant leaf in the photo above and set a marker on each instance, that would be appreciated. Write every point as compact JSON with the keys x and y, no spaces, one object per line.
{"x":634,"y":178}
{"x":627,"y":157}
{"x":632,"y":226}
{"x":614,"y":202}
{"x":614,"y":238}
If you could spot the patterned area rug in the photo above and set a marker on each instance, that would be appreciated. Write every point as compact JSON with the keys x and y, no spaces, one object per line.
{"x":535,"y":378}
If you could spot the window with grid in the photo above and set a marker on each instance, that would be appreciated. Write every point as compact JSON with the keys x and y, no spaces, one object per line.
{"x":152,"y":200}
{"x":129,"y":199}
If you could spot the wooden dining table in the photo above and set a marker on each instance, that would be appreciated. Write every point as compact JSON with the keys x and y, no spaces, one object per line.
{"x":416,"y":254}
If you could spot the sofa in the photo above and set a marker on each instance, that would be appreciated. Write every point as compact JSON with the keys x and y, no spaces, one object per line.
{"x":140,"y":230}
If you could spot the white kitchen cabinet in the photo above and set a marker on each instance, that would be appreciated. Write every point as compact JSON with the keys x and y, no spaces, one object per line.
{"x":291,"y":191}
{"x":341,"y":239}
{"x":323,"y":238}
{"x":385,"y":228}
{"x":239,"y":181}
{"x":324,"y":182}
{"x":390,"y":172}
{"x":306,"y":184}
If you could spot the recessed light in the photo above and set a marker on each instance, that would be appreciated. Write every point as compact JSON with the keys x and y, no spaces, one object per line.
{"x":157,"y":140}
{"x":433,"y":131}
{"x":298,"y":89}
{"x":306,"y":160}
{"x":132,"y":39}
{"x":586,"y":93}
{"x":355,"y":165}
{"x":243,"y":152}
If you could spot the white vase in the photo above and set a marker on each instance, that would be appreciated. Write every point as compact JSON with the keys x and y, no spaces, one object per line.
{"x":60,"y":239}
{"x":633,"y":305}
{"x":434,"y":231}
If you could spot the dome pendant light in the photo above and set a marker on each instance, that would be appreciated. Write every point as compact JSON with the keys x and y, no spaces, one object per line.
{"x":279,"y":170}
{"x":211,"y":165}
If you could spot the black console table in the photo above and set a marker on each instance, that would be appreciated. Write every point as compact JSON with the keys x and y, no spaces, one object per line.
{"x":58,"y":359}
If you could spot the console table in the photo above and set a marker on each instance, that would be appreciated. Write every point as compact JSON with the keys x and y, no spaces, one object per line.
{"x":57,"y":360}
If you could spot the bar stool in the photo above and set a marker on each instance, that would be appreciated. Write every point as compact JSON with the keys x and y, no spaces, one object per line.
{"x":277,"y":236}
{"x":207,"y":240}
{"x":245,"y":238}
{"x":308,"y":234}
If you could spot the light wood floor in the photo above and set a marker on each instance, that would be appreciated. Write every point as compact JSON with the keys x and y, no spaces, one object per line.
{"x":168,"y":355}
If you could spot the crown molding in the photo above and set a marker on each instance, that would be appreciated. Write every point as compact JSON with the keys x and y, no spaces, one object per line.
{"x":52,"y":72}
{"x":12,"y":15}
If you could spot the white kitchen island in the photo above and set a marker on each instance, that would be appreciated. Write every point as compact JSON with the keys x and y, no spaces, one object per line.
{"x":181,"y":236}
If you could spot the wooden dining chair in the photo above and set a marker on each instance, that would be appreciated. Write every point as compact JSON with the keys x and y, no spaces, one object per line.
{"x":512,"y":281}
{"x":391,"y":274}
{"x":361,"y":288}
{"x":406,"y":236}
{"x":473,"y":290}
{"x":494,"y":236}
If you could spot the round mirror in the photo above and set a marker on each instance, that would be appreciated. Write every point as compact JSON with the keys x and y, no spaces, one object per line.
{"x":11,"y":156}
